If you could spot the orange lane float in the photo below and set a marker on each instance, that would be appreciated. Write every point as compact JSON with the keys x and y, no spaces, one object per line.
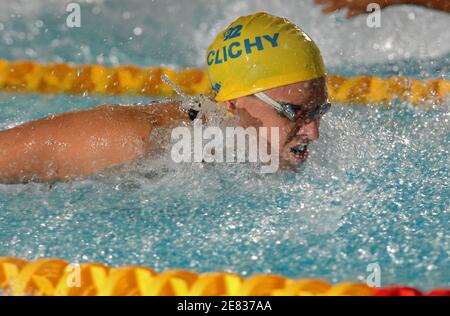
{"x":56,"y":277}
{"x":33,"y":77}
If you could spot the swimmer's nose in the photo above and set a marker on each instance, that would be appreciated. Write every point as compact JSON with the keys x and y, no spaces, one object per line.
{"x":311,"y":130}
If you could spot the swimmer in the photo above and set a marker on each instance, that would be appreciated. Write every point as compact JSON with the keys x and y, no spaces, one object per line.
{"x":263,"y":69}
{"x":358,"y":7}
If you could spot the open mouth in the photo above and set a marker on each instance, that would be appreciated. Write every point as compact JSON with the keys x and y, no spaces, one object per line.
{"x":300,"y":151}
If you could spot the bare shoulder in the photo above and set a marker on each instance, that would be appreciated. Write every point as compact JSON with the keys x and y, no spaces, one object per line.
{"x":154,"y":108}
{"x":164,"y":112}
{"x":161,"y":107}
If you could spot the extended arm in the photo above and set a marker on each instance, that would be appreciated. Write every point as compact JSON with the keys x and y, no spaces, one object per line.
{"x":357,"y":7}
{"x":68,"y":145}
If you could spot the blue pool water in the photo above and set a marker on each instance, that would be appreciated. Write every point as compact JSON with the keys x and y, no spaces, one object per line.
{"x":375,"y":189}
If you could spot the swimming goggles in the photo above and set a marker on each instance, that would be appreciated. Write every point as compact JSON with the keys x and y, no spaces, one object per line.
{"x":292,"y":111}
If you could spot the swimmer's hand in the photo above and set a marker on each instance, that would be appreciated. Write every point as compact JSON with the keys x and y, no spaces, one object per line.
{"x":355,"y":7}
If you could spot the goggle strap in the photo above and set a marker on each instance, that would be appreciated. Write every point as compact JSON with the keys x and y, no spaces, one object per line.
{"x":265,"y":98}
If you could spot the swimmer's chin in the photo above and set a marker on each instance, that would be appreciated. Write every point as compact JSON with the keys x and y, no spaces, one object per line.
{"x":293,"y":159}
{"x":291,"y":163}
{"x":289,"y":166}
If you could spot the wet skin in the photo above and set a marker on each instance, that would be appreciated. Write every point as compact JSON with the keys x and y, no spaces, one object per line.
{"x":74,"y":144}
{"x":357,"y":7}
{"x":254,"y":112}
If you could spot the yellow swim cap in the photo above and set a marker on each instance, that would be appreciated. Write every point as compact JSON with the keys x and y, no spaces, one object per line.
{"x":260,"y":52}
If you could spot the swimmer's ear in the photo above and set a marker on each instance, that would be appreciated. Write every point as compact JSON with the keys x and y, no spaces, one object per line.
{"x":230,"y":105}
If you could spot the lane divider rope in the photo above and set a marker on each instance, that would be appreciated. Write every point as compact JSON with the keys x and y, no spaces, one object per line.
{"x":33,"y":77}
{"x":57,"y":277}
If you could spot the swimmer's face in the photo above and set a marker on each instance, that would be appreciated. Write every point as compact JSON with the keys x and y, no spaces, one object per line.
{"x":294,"y":136}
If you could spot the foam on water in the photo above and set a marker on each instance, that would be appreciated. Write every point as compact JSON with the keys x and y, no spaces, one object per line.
{"x":375,"y":188}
